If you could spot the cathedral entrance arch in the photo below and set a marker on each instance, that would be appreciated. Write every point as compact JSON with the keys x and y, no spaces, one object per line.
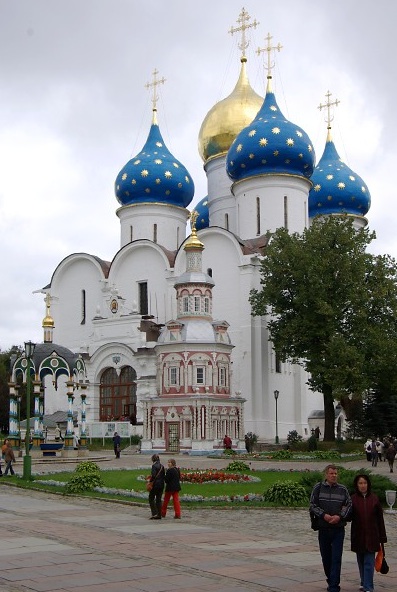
{"x":118,"y":395}
{"x":173,"y":439}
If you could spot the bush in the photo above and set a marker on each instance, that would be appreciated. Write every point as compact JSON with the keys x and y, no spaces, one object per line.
{"x":135,"y":439}
{"x":286,"y":493}
{"x":282,"y":454}
{"x":293,"y":438}
{"x":312,"y":443}
{"x":238,"y":466}
{"x":229,"y":452}
{"x":87,"y":475}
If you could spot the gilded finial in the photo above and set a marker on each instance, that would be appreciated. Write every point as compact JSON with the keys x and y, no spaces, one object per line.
{"x":243,"y":19}
{"x":48,"y":322}
{"x":329,"y":117}
{"x":193,"y":242}
{"x":269,"y":48}
{"x":153,"y":85}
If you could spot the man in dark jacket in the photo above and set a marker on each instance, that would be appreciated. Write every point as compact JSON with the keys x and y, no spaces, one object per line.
{"x":330,"y":502}
{"x":157,"y":479}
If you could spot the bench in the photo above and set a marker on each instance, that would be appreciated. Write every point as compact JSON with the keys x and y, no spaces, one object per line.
{"x":50,"y":449}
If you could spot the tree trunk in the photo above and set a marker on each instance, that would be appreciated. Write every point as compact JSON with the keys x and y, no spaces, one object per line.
{"x":329,"y":414}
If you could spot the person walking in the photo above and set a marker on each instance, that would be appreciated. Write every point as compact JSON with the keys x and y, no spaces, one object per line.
{"x":172,"y":488}
{"x":157,"y":479}
{"x":116,"y":444}
{"x":367,"y":531}
{"x":390,"y":454}
{"x":374,"y":453}
{"x":367,"y":448}
{"x":330,"y":502}
{"x":9,"y":457}
{"x":227,"y":442}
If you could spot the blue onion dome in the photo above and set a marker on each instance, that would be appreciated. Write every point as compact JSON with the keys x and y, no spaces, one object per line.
{"x":203,"y":215}
{"x":154,"y":175}
{"x":270,"y":145}
{"x":336,"y":188}
{"x":228,"y":117}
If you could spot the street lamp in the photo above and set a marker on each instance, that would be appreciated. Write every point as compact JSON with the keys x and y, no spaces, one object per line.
{"x":276,"y":394}
{"x":27,"y":459}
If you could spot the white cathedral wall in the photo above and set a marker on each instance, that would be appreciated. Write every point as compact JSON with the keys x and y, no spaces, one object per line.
{"x":283,"y":203}
{"x":221,"y":200}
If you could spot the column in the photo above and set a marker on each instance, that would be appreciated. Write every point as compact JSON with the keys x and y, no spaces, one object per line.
{"x":68,"y":445}
{"x":83,"y":433}
{"x":37,"y":434}
{"x":13,"y":430}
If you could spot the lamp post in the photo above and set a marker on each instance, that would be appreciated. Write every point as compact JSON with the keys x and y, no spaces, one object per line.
{"x":19,"y":398}
{"x":27,"y":459}
{"x":276,"y":394}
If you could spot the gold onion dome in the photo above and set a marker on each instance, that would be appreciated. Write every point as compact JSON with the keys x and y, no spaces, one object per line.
{"x":228,"y":117}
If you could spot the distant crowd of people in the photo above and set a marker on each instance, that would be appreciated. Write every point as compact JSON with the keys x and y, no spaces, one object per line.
{"x":381,"y":450}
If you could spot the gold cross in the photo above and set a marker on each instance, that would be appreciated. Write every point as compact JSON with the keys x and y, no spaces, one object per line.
{"x":328,"y":106}
{"x":193,"y":218}
{"x":269,"y":50}
{"x":154,"y":85}
{"x":243,"y":19}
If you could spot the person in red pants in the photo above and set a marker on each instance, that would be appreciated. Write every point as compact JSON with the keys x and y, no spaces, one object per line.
{"x":172,"y":489}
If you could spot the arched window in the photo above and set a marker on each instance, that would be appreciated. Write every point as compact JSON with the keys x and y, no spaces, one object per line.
{"x":118,"y":395}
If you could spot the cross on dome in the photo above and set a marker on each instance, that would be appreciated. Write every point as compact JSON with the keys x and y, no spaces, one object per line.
{"x":328,"y":106}
{"x":243,"y":19}
{"x":269,"y":48}
{"x":153,"y":85}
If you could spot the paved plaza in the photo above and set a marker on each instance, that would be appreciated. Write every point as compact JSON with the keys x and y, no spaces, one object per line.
{"x":52,"y":543}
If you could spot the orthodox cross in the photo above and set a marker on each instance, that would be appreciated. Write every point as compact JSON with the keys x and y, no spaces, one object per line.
{"x":269,"y":50}
{"x":193,"y":218}
{"x":243,"y":19}
{"x":328,"y":106}
{"x":154,"y":86}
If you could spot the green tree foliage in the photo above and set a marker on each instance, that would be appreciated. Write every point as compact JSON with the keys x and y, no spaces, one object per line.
{"x":332,"y":308}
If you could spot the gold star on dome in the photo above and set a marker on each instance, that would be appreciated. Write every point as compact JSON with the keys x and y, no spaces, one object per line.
{"x":363,"y":189}
{"x":159,"y":144}
{"x":251,"y":156}
{"x":239,"y":148}
{"x":329,"y":177}
{"x":264,"y":161}
{"x":168,"y":174}
{"x":127,"y":193}
{"x":176,"y":165}
{"x":144,"y":173}
{"x":133,"y":182}
{"x":118,"y":187}
{"x":300,"y":155}
{"x":287,"y":161}
{"x":341,"y":185}
{"x":158,"y":161}
{"x":158,"y":181}
{"x":124,"y":176}
{"x":168,"y":192}
{"x":319,"y":204}
{"x":179,"y":185}
{"x":299,"y":134}
{"x":310,"y":148}
{"x":263,"y":142}
{"x":317,"y":187}
{"x":273,"y":108}
{"x":276,"y":130}
{"x":252,"y":133}
{"x":276,"y":153}
{"x":147,"y":190}
{"x":340,"y":203}
{"x":290,"y":142}
{"x":353,"y":198}
{"x":187,"y":179}
{"x":329,"y":197}
{"x":352,"y":178}
{"x":137,"y":162}
{"x":243,"y":165}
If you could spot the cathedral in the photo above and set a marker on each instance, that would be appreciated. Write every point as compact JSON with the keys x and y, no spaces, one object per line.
{"x":164,"y":328}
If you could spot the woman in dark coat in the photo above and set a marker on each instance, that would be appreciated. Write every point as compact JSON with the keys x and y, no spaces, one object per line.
{"x":172,"y":489}
{"x":390,"y":454}
{"x":367,"y":530}
{"x":157,"y":478}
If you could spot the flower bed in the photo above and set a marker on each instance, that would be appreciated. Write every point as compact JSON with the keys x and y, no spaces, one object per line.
{"x":215,"y":476}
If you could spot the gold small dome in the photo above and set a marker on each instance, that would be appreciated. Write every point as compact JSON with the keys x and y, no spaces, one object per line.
{"x":48,"y":322}
{"x":227,"y":118}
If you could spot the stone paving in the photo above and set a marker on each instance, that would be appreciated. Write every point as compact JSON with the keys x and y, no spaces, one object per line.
{"x":53,"y":543}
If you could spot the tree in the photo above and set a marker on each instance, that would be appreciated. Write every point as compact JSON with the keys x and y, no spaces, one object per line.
{"x":329,"y":305}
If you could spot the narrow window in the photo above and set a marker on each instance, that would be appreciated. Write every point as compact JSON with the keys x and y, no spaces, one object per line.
{"x":143,"y":298}
{"x":258,"y":216}
{"x":83,"y":309}
{"x":285,"y":212}
{"x":177,"y":237}
{"x":197,"y":304}
{"x":278,"y":363}
{"x":155,"y":233}
{"x":185,"y":304}
{"x":200,"y":375}
{"x":222,"y":376}
{"x":209,"y":271}
{"x":131,"y":234}
{"x":173,"y":376}
{"x":227,"y":221}
{"x":206,"y":305}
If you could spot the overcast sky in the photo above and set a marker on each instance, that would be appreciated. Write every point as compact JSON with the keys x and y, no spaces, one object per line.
{"x":74,"y":109}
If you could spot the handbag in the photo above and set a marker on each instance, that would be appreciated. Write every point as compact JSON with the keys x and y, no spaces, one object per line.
{"x":381,"y":564}
{"x":149,"y":484}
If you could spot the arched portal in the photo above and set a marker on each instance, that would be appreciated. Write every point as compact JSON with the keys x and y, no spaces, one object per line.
{"x":118,"y":395}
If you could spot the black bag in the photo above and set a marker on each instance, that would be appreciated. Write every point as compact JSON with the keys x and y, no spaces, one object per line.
{"x":384,"y":568}
{"x":314,"y":520}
